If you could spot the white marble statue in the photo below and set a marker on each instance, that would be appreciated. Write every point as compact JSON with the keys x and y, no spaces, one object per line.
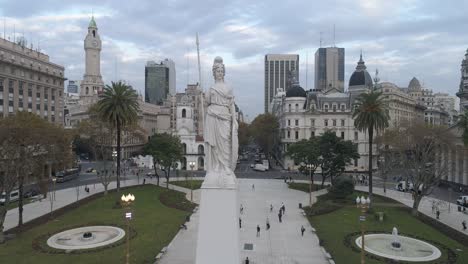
{"x":220,"y":132}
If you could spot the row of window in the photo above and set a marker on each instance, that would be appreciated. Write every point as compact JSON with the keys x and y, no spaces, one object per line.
{"x":325,"y":122}
{"x":312,"y":134}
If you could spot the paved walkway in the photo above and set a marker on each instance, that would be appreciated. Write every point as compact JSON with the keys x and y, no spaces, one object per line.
{"x":282,"y":244}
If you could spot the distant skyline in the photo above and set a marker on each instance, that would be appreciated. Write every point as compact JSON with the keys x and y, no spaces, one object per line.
{"x":406,"y":38}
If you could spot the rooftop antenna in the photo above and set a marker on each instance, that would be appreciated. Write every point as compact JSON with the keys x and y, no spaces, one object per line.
{"x":199,"y":67}
{"x":307,"y":65}
{"x":334,"y":45}
{"x":320,"y":39}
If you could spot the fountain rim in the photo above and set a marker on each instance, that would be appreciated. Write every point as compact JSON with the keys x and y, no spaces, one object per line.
{"x":436,"y":253}
{"x":51,"y":241}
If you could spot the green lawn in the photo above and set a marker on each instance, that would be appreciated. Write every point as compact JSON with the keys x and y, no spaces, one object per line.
{"x":189,"y":184}
{"x":155,"y":224}
{"x":332,"y":227}
{"x":303,"y":186}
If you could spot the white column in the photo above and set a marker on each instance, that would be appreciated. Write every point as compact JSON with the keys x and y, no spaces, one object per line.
{"x":449,"y":164}
{"x":456,"y":177}
{"x":465,"y":166}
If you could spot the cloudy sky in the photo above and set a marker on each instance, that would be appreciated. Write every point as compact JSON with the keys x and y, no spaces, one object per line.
{"x":402,"y":38}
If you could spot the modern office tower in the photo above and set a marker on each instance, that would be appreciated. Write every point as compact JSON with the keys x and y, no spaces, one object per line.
{"x":329,"y":68}
{"x":156,"y":82}
{"x":72,"y":86}
{"x":92,"y":84}
{"x":172,"y":75}
{"x":30,"y":82}
{"x":278,"y":70}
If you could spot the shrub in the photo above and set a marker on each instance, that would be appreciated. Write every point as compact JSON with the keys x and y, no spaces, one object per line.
{"x":342,"y":187}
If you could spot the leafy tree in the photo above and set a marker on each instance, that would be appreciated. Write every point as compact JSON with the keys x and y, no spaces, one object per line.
{"x":336,"y":154}
{"x":28,"y":143}
{"x":119,"y":106}
{"x":264,"y":129}
{"x":342,"y":187}
{"x":418,"y":146}
{"x":243,"y":134}
{"x":166,"y":151}
{"x":370,"y":114}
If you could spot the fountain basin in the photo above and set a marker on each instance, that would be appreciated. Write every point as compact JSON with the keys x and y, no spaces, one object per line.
{"x":75,"y":239}
{"x":411,"y":249}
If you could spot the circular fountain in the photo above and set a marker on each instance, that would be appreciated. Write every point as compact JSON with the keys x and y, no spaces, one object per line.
{"x":399,"y":247}
{"x":86,"y":237}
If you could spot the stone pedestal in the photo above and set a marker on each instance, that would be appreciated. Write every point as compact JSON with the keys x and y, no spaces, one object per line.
{"x":218,"y":230}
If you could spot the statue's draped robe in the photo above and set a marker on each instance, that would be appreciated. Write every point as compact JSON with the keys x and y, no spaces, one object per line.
{"x":221,"y":135}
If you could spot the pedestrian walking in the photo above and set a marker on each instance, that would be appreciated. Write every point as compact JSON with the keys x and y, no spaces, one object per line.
{"x":302,"y":230}
{"x":253,"y":187}
{"x":258,"y":231}
{"x":242,"y":209}
{"x":240,"y":223}
{"x":271,"y":208}
{"x":267,"y":224}
{"x":144,"y":181}
{"x":280,"y":216}
{"x":247,"y":260}
{"x":284,"y":209}
{"x":464,"y":225}
{"x":437,"y":213}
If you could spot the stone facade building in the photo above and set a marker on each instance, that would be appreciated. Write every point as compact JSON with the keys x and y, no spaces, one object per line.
{"x":30,"y":82}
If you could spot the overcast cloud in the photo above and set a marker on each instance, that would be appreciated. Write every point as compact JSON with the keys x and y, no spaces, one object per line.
{"x":402,"y":38}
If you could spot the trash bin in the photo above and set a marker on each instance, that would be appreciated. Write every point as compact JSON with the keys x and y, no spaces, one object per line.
{"x":300,"y":205}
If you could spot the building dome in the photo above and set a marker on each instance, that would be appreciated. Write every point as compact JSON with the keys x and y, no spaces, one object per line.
{"x":360,"y":76}
{"x":414,"y":85}
{"x":295,"y":91}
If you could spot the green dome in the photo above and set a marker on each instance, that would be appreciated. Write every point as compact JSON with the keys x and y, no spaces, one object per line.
{"x":92,"y":23}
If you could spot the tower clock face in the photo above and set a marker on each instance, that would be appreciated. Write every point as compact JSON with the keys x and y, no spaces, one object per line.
{"x":95,"y":43}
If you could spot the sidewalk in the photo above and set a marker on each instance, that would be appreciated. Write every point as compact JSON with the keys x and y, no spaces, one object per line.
{"x":63,"y":198}
{"x":282,"y":244}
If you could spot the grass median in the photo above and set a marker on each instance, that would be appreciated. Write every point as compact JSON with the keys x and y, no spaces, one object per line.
{"x":189,"y":184}
{"x":337,"y":225}
{"x":155,"y":225}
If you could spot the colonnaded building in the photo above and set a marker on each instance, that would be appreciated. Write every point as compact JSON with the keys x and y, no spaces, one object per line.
{"x":303,"y":114}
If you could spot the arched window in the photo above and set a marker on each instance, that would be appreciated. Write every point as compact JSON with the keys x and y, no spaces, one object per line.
{"x":184,"y":148}
{"x":184,"y":113}
{"x":201,"y":149}
{"x":297,"y":107}
{"x":184,"y":163}
{"x":87,"y":90}
{"x":201,"y":163}
{"x":94,"y":33}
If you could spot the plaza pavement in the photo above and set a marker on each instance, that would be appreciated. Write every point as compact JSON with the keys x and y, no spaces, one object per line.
{"x":282,"y":244}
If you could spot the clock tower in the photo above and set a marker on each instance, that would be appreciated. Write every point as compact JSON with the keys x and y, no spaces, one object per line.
{"x":92,"y":83}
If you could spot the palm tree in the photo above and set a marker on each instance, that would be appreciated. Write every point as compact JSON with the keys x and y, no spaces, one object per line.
{"x":463,"y":125}
{"x":119,"y":106}
{"x":370,"y":114}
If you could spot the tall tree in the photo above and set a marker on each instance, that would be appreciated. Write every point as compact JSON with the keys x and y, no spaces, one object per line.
{"x":419,"y":147}
{"x":166,"y":151}
{"x":119,"y":106}
{"x":336,"y":154}
{"x":370,"y":114}
{"x":264,"y":129}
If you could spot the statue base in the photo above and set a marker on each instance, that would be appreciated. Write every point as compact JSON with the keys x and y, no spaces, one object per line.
{"x":218,"y":230}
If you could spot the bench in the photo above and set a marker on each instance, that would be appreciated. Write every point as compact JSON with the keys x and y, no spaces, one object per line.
{"x":313,"y":229}
{"x":161,"y":254}
{"x":163,"y":250}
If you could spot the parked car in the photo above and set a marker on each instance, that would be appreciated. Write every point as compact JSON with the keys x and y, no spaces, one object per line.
{"x":91,"y":169}
{"x":252,"y":166}
{"x":31,"y":193}
{"x":260,"y":167}
{"x":462,"y":200}
{"x":14,"y":196}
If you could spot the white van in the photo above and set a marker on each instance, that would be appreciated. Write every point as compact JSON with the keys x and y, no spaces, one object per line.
{"x":14,"y":196}
{"x":259,"y":167}
{"x":462,"y":200}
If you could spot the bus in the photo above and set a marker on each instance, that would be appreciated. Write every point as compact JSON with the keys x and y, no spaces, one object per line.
{"x":66,"y":175}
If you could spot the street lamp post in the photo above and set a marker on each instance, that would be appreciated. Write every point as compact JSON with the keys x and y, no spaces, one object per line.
{"x":192,"y":165}
{"x":127,"y":201}
{"x":309,"y":166}
{"x":114,"y":158}
{"x":54,"y":179}
{"x":363,"y":204}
